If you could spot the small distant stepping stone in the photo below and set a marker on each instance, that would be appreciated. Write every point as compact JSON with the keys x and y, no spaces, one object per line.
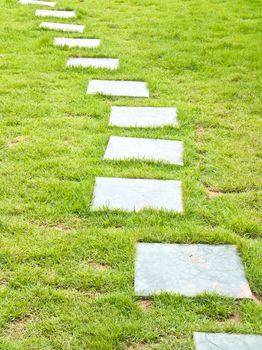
{"x":110,"y":63}
{"x":224,"y":341}
{"x":143,"y":117}
{"x":63,"y":27}
{"x":77,"y":42}
{"x":37,"y":2}
{"x":137,"y":194}
{"x":54,"y":13}
{"x":118,"y":88}
{"x":190,"y":269}
{"x":149,"y":149}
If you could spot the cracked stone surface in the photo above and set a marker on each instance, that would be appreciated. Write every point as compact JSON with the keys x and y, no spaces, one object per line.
{"x":77,"y":42}
{"x":147,"y":149}
{"x":118,"y":88}
{"x":143,"y":117}
{"x":190,"y":269}
{"x":109,"y":63}
{"x":55,"y":13}
{"x":137,"y":194}
{"x":37,"y":2}
{"x":63,"y":27}
{"x":223,"y":341}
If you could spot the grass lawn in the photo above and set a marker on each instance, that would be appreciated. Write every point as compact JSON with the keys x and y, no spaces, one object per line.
{"x":66,"y":273}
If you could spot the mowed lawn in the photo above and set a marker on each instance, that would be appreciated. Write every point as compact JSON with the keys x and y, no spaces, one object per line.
{"x":66,"y":273}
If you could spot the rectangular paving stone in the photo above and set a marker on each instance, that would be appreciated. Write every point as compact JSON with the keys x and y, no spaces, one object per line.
{"x":63,"y":27}
{"x":143,"y":117}
{"x":137,"y":194}
{"x":77,"y":42}
{"x":109,"y":63}
{"x":55,"y":13}
{"x":149,"y":149}
{"x":118,"y":88}
{"x":37,"y":2}
{"x":189,"y":269}
{"x":225,"y":341}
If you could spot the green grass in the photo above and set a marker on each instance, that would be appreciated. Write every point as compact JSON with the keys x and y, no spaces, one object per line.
{"x":66,"y":274}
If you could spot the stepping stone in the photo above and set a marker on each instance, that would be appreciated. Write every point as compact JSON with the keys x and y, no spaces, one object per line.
{"x":110,"y":63}
{"x":190,"y":269}
{"x":223,"y":341}
{"x":149,"y":149}
{"x":137,"y":194}
{"x":118,"y":88}
{"x":63,"y":27}
{"x":36,"y":2}
{"x":77,"y":42}
{"x":143,"y":117}
{"x":54,"y":13}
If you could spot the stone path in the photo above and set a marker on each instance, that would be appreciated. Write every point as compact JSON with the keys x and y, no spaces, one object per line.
{"x":55,"y":13}
{"x":64,"y":27}
{"x":77,"y":42}
{"x":37,"y":2}
{"x":143,"y":117}
{"x":146,"y":149}
{"x":189,"y":269}
{"x":137,"y":194}
{"x":223,"y":341}
{"x":109,"y":63}
{"x":118,"y":88}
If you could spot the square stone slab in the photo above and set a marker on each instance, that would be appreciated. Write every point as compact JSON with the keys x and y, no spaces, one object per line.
{"x":148,"y":149}
{"x":224,"y":341}
{"x":36,"y":2}
{"x":189,"y":269}
{"x":118,"y":88}
{"x":77,"y":42}
{"x":63,"y":27}
{"x":109,"y":63}
{"x":54,"y":13}
{"x":137,"y":194}
{"x":143,"y":117}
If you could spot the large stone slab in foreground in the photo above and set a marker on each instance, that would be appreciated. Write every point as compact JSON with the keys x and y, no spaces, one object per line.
{"x":37,"y":2}
{"x":120,"y":148}
{"x":222,"y":341}
{"x":108,"y":63}
{"x":64,"y":27}
{"x":77,"y":42}
{"x":55,"y":13}
{"x":137,"y":194}
{"x":189,"y":269}
{"x":143,"y":117}
{"x":118,"y":88}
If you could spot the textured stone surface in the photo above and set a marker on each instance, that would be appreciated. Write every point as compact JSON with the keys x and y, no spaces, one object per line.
{"x":137,"y":194}
{"x":36,"y":2}
{"x":55,"y":13}
{"x":110,"y":63}
{"x":143,"y":116}
{"x":63,"y":27}
{"x":118,"y":88}
{"x":190,"y":269}
{"x":77,"y":42}
{"x":222,"y":341}
{"x":149,"y":149}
